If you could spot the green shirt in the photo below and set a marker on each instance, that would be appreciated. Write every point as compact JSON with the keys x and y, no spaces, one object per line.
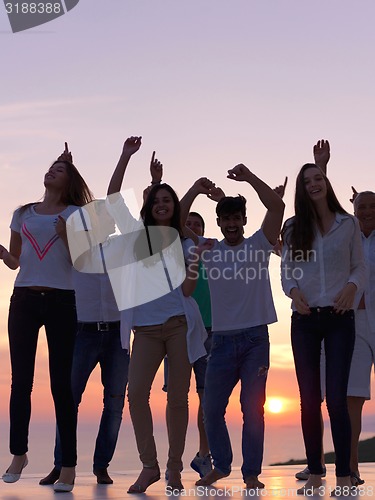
{"x":202,"y":296}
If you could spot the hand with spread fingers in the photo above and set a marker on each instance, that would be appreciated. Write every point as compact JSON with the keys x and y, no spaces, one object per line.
{"x":322,"y":154}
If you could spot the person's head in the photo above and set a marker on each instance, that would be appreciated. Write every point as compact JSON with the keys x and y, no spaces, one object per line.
{"x":162,"y":208}
{"x":312,"y":188}
{"x":195,"y":222}
{"x":231,"y":218}
{"x":63,"y":176}
{"x":364,"y":210}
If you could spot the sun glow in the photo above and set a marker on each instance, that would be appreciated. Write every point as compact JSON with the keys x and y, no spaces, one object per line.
{"x":274,"y":405}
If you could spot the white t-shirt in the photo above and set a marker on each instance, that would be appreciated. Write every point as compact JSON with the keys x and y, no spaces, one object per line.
{"x":44,"y":260}
{"x":240,"y":287}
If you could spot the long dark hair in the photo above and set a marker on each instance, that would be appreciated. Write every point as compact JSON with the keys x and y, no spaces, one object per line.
{"x":76,"y":191}
{"x":300,"y":232}
{"x":146,"y":212}
{"x":151,"y":240}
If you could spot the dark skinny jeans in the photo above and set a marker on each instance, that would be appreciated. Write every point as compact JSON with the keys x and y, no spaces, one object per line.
{"x":338,"y":332}
{"x":29,"y":311}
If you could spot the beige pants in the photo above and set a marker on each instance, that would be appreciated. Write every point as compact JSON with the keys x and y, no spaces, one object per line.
{"x":151,"y":344}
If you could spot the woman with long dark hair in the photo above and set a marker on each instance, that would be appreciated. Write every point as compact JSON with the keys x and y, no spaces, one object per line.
{"x":169,"y":324}
{"x":322,"y":269}
{"x":43,"y":296}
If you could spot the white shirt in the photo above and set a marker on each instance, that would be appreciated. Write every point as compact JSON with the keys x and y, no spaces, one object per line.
{"x":239,"y":282}
{"x":94,"y":298}
{"x":369,"y":252}
{"x":335,"y":260}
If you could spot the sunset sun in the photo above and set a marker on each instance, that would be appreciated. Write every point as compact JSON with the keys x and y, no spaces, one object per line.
{"x":274,"y":405}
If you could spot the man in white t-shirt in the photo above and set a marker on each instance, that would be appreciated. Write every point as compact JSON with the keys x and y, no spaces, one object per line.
{"x":242,"y":307}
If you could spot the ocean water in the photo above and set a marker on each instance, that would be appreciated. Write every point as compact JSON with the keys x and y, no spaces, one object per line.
{"x":281,"y":444}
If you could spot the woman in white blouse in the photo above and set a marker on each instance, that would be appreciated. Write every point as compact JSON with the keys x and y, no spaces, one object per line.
{"x":322,"y":269}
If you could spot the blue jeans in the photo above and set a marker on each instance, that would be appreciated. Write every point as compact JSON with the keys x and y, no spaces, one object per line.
{"x":338,"y":332}
{"x":237,"y":355}
{"x":103,"y":347}
{"x":29,"y":311}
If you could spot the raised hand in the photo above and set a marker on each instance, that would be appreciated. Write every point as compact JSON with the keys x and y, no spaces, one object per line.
{"x":322,"y":154}
{"x":239,"y":173}
{"x":131,"y":145}
{"x":66,"y":155}
{"x":280,"y":190}
{"x":156,"y":170}
{"x":215,"y":194}
{"x":354,"y":194}
{"x":203,"y":186}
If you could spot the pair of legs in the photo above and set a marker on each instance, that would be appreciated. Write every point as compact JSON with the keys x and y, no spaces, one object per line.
{"x":199,"y":369}
{"x":240,"y":355}
{"x":338,"y":332}
{"x":103,"y":347}
{"x":151,"y":344}
{"x":29,"y":311}
{"x":359,"y":387}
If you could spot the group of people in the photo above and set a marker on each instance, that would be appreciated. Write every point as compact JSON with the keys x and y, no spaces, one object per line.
{"x":150,"y":277}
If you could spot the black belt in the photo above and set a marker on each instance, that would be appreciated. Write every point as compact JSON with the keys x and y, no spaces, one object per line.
{"x":326,"y":309}
{"x":99,"y":326}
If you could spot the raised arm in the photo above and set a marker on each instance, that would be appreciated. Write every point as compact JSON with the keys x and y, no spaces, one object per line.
{"x":322,"y":154}
{"x":271,"y":200}
{"x":11,"y":257}
{"x":131,"y":146}
{"x":201,"y":186}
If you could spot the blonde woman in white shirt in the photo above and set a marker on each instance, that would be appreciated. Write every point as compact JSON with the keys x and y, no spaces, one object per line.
{"x":322,"y":269}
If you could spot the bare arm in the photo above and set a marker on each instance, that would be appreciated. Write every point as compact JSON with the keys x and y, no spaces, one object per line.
{"x":11,"y":258}
{"x":275,"y":206}
{"x":131,"y":146}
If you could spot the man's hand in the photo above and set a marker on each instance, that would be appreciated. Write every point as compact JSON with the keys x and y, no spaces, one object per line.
{"x":354,"y":195}
{"x":66,"y":155}
{"x":322,"y":154}
{"x":300,"y":301}
{"x":156,"y":170}
{"x":239,"y":173}
{"x":203,"y":186}
{"x":280,"y":190}
{"x":131,"y":145}
{"x":216,"y":194}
